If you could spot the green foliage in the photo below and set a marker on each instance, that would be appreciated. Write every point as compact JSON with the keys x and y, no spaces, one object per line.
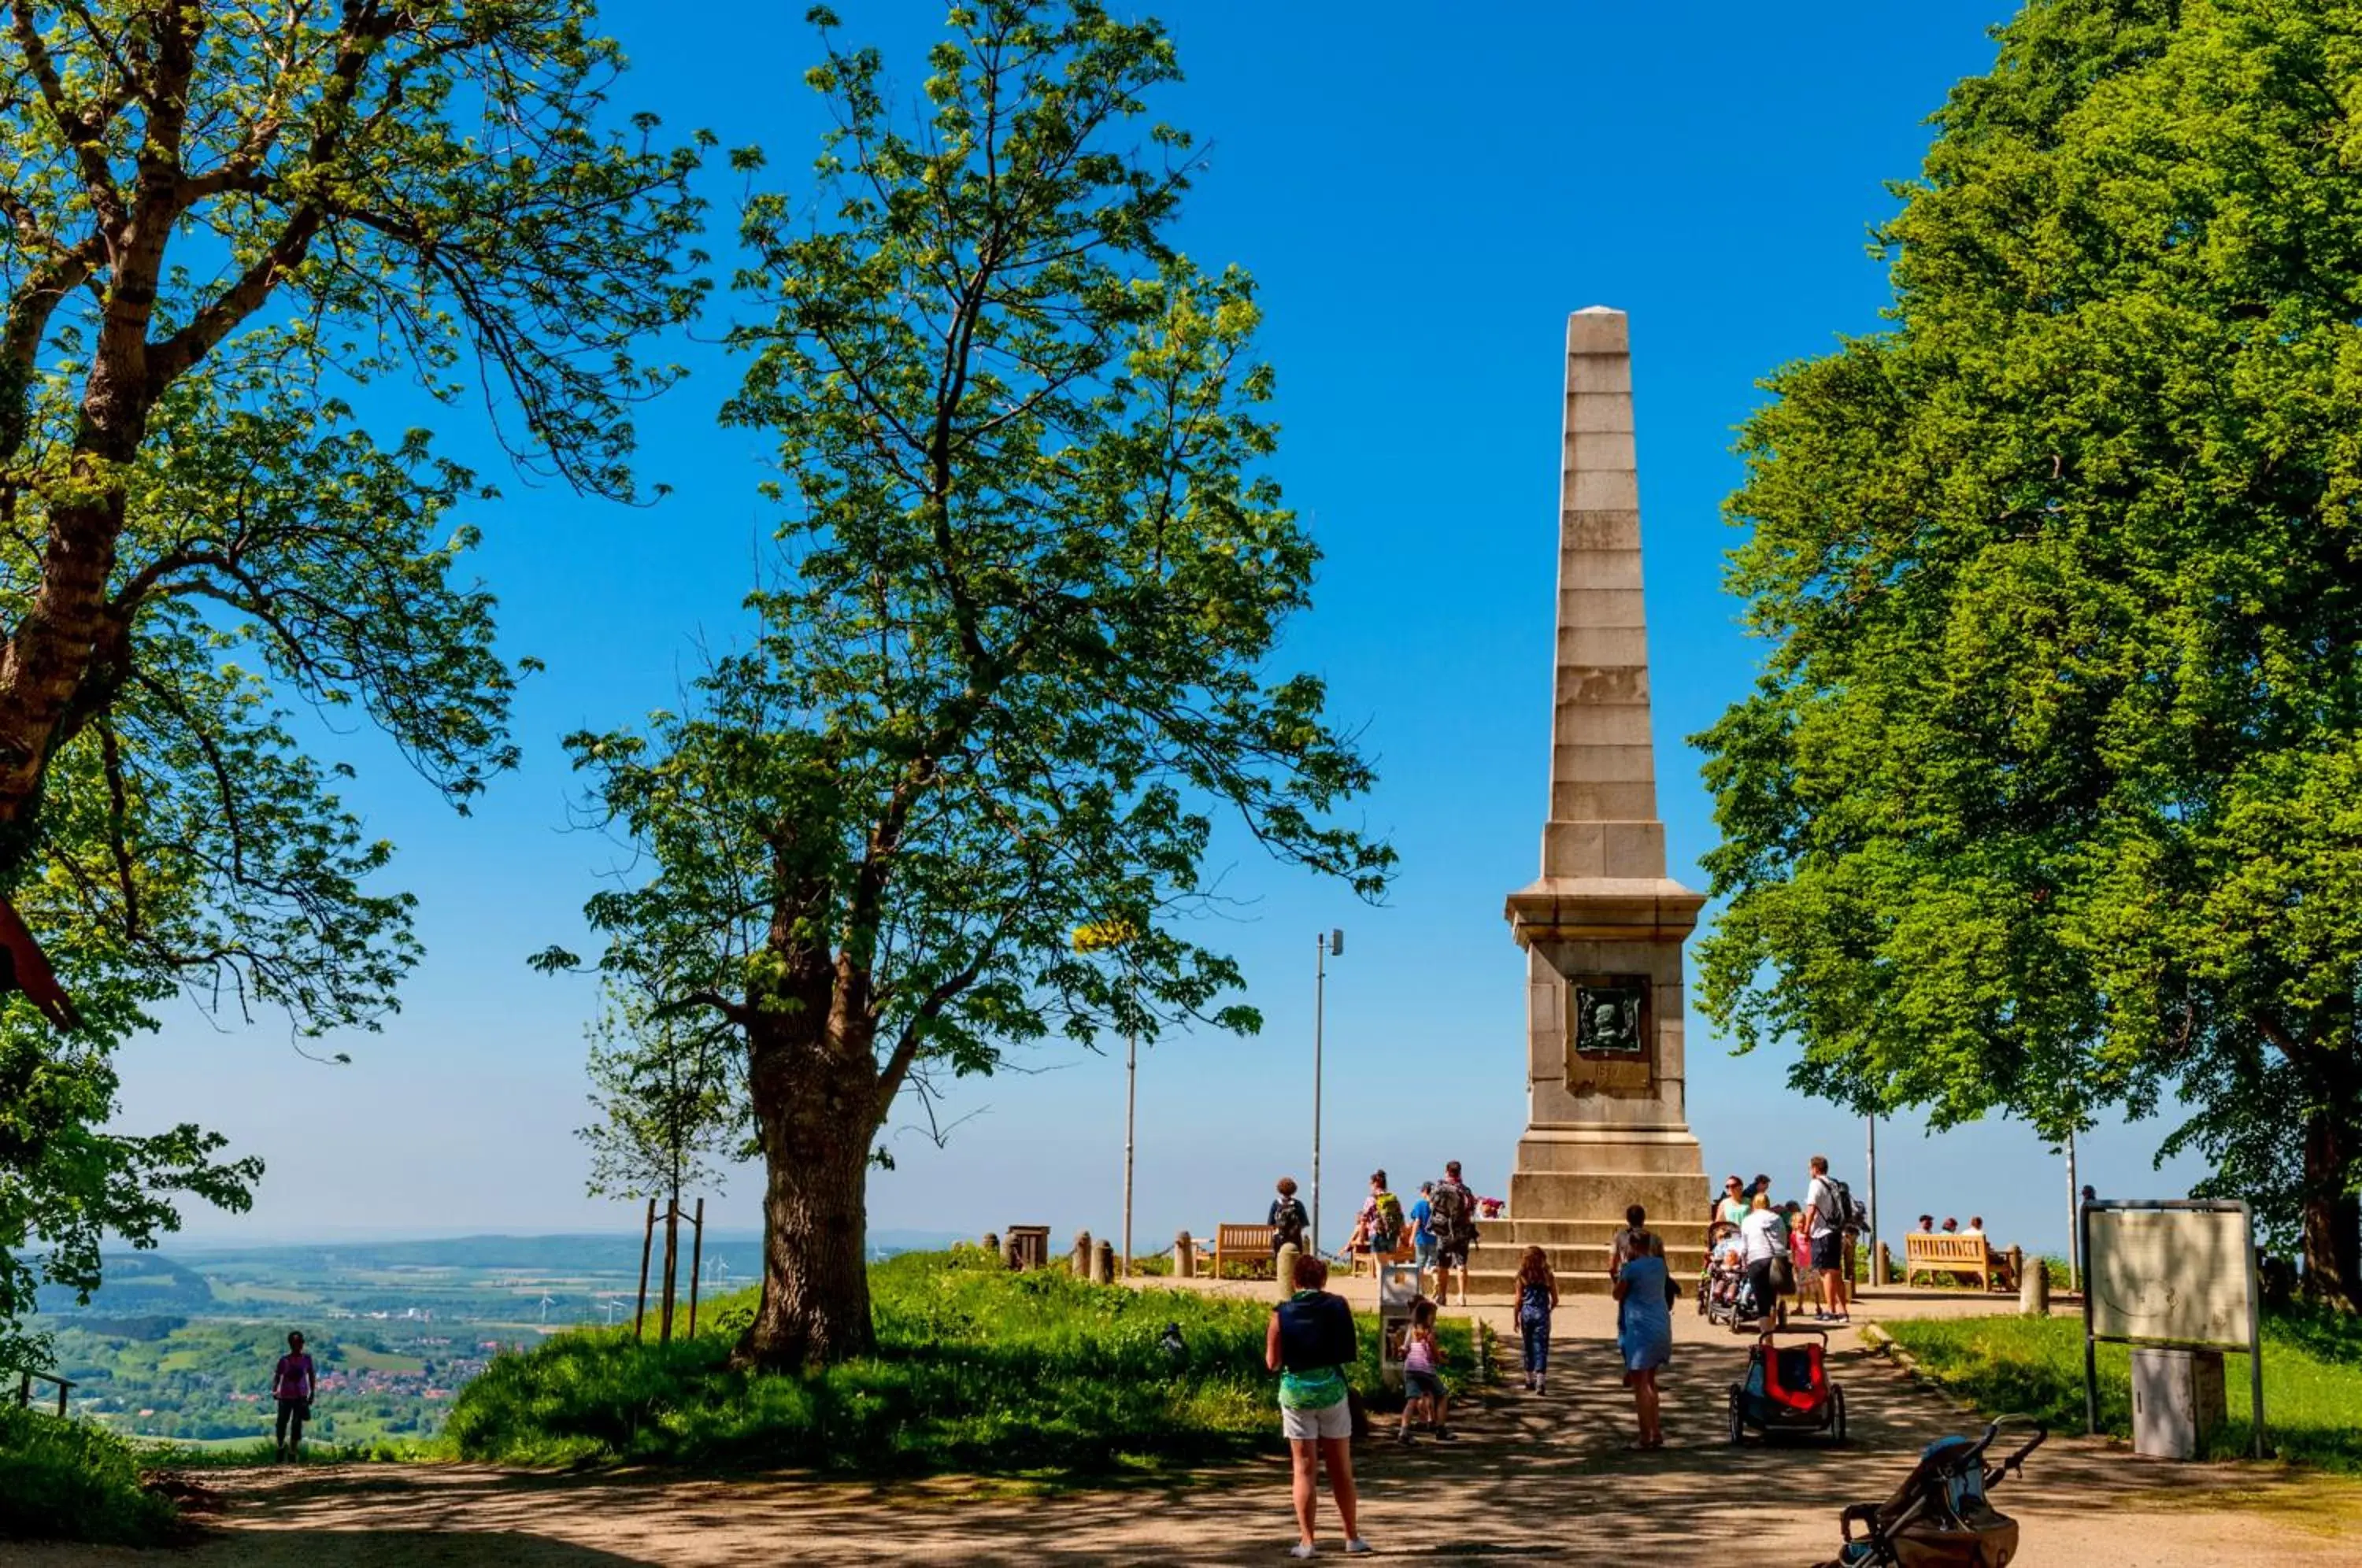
{"x":976,"y":1369}
{"x":670,"y":1086}
{"x":221,"y":216}
{"x":2312,"y":1379}
{"x":2046,"y":798}
{"x":1008,"y":664}
{"x":72,"y":1481}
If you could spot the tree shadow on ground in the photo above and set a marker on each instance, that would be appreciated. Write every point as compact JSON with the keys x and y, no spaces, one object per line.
{"x":1546,"y":1477}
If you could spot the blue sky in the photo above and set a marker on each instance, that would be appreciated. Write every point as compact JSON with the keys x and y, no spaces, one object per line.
{"x":1423,"y":193}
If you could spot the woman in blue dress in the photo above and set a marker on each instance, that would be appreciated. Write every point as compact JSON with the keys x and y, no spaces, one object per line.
{"x":1645,"y":1334}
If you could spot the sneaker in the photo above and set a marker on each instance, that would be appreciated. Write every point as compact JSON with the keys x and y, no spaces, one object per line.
{"x":1402,"y":1440}
{"x":1304,"y":1549}
{"x":1445,"y":1434}
{"x":1357,"y":1547}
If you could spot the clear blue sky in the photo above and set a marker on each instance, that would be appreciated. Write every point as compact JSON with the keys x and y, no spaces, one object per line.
{"x":1424,"y":192}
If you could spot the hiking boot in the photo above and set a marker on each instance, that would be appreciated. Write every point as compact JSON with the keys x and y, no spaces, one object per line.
{"x":1445,"y":1434}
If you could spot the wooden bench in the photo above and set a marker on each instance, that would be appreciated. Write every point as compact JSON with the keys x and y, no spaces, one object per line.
{"x":1247,"y":1244}
{"x":1934,"y":1252}
{"x":24,"y":1389}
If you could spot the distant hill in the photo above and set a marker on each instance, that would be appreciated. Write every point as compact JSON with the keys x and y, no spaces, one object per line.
{"x":136,"y":1284}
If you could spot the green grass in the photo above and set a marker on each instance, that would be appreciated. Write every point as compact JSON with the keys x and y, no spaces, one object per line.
{"x":2312,"y":1379}
{"x":978,"y":1370}
{"x":68,"y":1480}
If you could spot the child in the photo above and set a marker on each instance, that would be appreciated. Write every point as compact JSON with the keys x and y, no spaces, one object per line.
{"x":1800,"y":1258}
{"x":1423,"y":1374}
{"x":1537,"y":1299}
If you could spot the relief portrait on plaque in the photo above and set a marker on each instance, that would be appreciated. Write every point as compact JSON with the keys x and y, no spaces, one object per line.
{"x":1608,"y":1018}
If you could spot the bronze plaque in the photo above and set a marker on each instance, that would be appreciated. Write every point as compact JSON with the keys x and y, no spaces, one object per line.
{"x":1608,"y":1034}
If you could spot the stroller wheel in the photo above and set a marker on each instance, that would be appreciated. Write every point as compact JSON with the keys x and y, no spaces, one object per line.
{"x":1836,"y":1415}
{"x":1738,"y":1421}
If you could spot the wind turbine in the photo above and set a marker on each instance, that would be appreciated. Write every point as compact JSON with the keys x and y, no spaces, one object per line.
{"x":544,"y":1306}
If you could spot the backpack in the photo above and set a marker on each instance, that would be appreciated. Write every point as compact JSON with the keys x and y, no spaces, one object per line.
{"x":1450,"y":1203}
{"x":1287,"y":1222}
{"x":1851,"y":1214}
{"x":1385,"y":1231}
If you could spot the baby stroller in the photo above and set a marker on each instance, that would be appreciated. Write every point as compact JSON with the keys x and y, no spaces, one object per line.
{"x":1723,"y":1294}
{"x":1787,"y":1389}
{"x":1940,"y":1517}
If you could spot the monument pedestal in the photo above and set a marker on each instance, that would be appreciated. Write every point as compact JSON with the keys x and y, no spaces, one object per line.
{"x":1603,"y":928}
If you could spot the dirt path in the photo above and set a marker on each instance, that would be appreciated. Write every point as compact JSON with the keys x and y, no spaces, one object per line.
{"x":1537,"y":1479}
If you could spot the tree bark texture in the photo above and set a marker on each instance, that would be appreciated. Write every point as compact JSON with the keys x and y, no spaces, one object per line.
{"x":816,"y":1109}
{"x":2332,"y":1213}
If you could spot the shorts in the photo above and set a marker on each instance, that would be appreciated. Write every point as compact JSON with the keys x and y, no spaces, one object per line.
{"x":1426,"y":1249}
{"x":1329,"y":1423}
{"x":1422,"y":1386}
{"x":1825,"y":1248}
{"x":1451,"y":1255}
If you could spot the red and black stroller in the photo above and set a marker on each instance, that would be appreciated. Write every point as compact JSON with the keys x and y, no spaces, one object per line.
{"x":1787,"y":1389}
{"x":1939,"y":1517}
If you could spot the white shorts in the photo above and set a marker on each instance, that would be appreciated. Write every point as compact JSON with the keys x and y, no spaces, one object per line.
{"x":1332,"y":1422}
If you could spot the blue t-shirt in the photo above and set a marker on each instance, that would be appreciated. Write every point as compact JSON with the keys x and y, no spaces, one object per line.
{"x":1420,"y":1213}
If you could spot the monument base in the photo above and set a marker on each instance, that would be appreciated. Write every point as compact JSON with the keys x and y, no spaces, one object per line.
{"x":1568,"y":1193}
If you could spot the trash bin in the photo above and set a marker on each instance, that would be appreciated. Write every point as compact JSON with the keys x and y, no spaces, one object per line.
{"x":2177,"y":1401}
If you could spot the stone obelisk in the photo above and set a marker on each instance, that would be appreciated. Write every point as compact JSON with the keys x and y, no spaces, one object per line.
{"x":1604,"y":925}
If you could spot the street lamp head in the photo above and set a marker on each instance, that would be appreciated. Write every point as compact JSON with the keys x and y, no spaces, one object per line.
{"x":1336,"y":941}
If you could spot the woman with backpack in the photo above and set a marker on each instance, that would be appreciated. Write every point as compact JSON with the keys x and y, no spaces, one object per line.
{"x":1537,"y":1299}
{"x":1311,"y":1344}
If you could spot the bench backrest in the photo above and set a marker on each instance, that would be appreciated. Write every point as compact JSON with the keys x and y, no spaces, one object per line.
{"x":1242,"y":1238}
{"x":1939,"y":1248}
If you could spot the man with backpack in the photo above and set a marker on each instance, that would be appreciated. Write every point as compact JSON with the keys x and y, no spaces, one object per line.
{"x":1829,"y":1212}
{"x":1453,"y":1219}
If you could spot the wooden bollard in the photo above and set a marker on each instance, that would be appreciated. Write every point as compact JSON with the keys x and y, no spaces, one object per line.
{"x":1103,"y":1264}
{"x":1080,"y":1259}
{"x":1185,"y":1256}
{"x":1285,"y":1269}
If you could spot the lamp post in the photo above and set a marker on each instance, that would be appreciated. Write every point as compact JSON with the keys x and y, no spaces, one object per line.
{"x":1877,"y":1274}
{"x":1099,"y":936}
{"x":1326,"y":945}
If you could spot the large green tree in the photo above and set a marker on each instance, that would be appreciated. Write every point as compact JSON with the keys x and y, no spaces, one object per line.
{"x":2049,"y":797}
{"x":1010,"y":666}
{"x":216,"y":220}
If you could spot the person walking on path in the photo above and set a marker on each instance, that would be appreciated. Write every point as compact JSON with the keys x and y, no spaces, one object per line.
{"x":1422,"y":1236}
{"x":1309,"y":1343}
{"x":1455,"y":1230}
{"x":1825,"y":1218}
{"x":1423,"y":1375}
{"x":1288,"y":1221}
{"x":1646,"y":1334}
{"x":1765,"y":1238}
{"x":1537,"y":1299}
{"x":293,"y":1382}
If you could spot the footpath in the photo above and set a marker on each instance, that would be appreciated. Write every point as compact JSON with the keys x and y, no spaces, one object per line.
{"x":1544,"y":1479}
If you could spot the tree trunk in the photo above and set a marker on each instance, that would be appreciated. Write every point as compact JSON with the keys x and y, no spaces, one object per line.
{"x":2332,"y":1212}
{"x":816,"y":1109}
{"x":672,"y":1266}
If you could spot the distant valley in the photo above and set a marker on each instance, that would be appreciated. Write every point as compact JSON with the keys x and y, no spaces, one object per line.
{"x":180,"y":1346}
